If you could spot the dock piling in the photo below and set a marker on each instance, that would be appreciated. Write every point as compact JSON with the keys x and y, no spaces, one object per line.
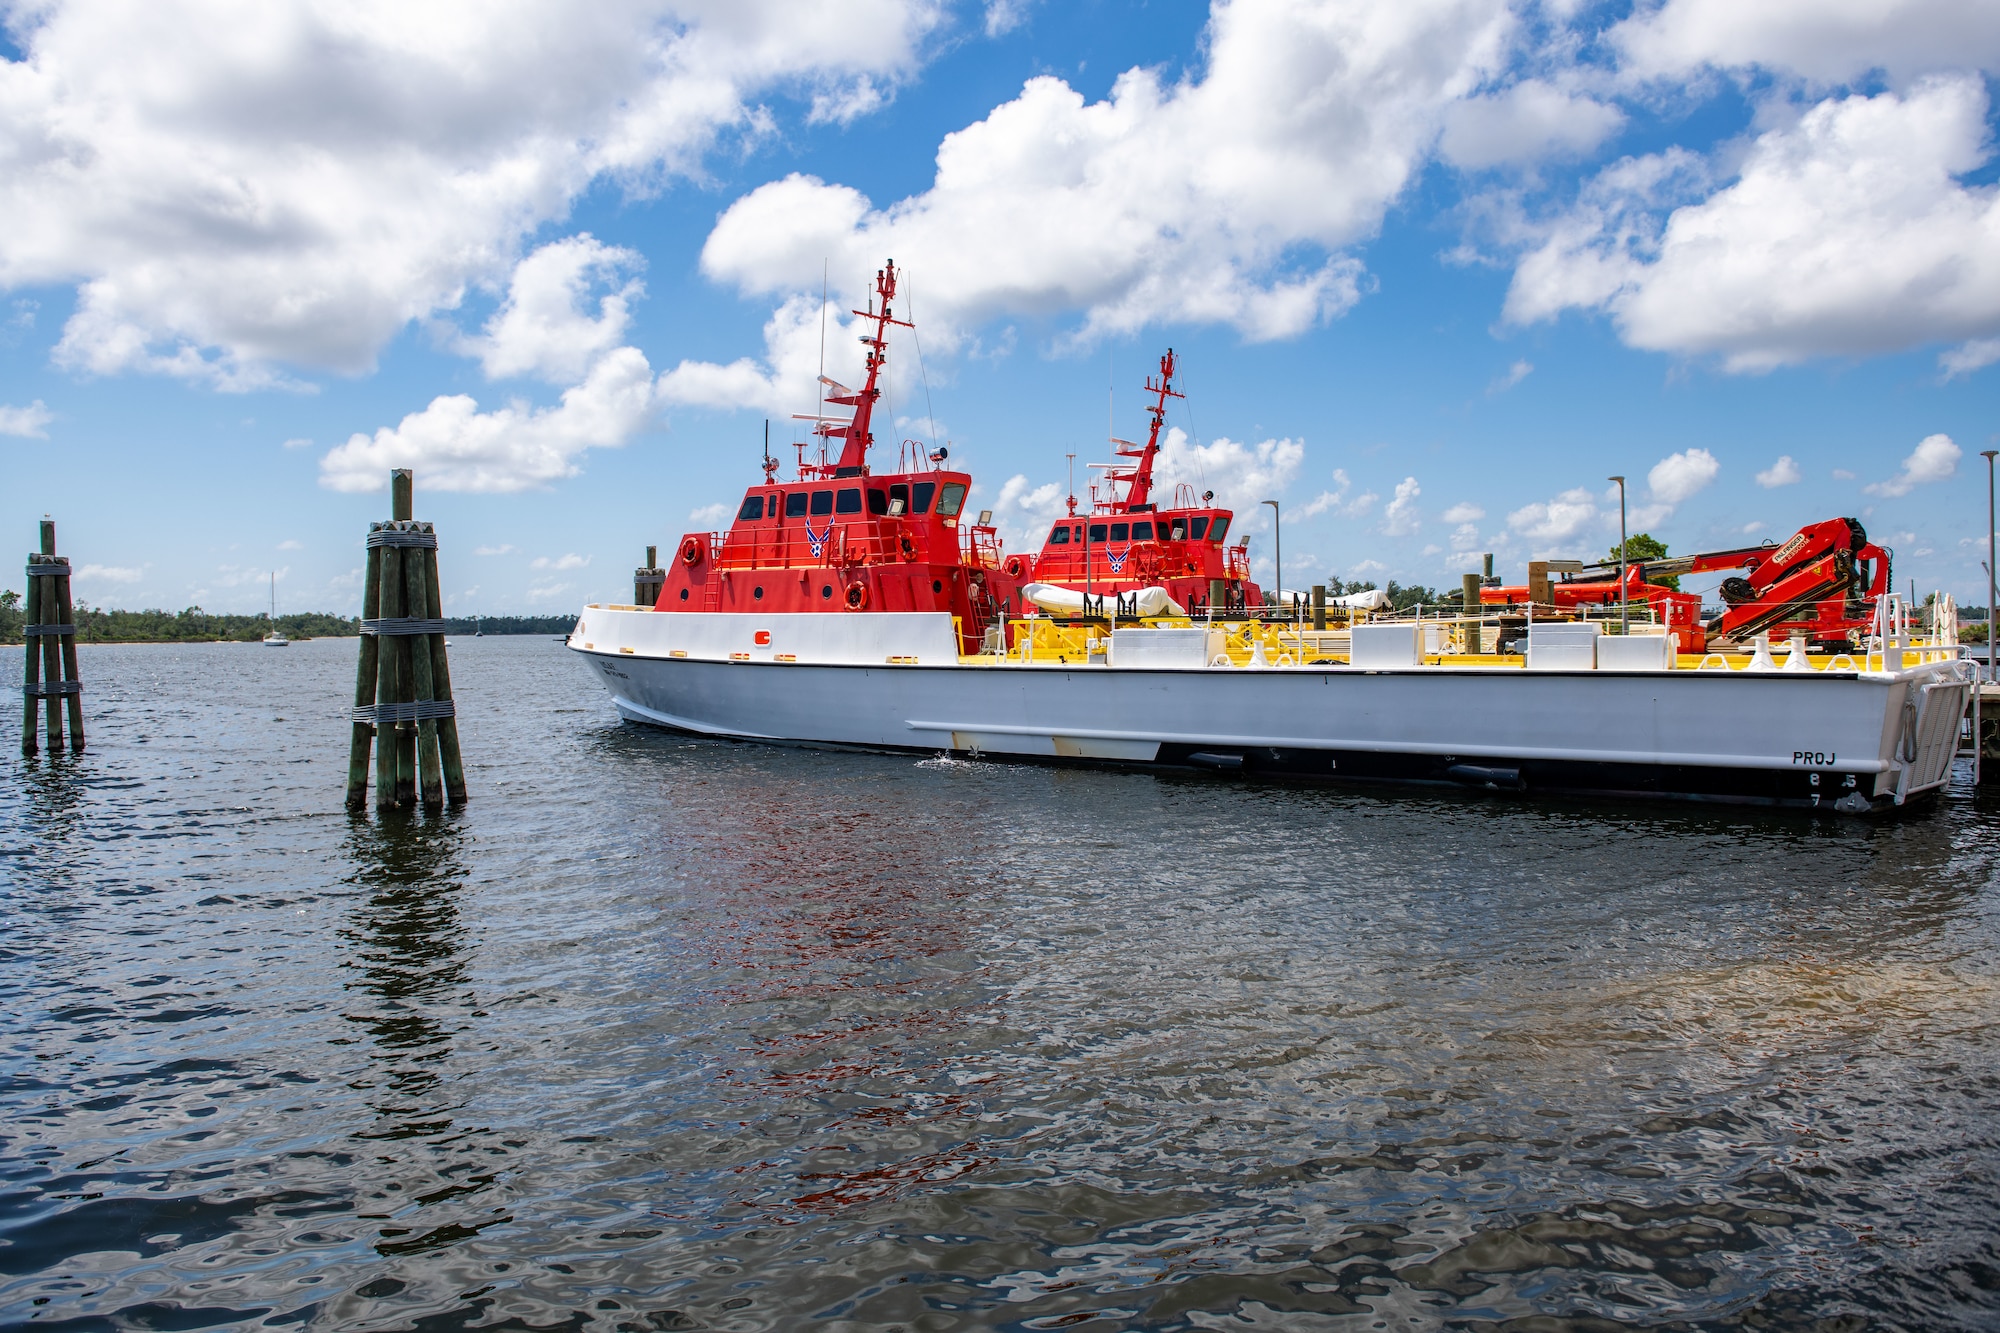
{"x":648,"y":580}
{"x":50,"y":672}
{"x":402,"y":691}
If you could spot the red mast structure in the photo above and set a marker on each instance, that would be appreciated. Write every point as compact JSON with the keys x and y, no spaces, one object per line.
{"x":1138,"y":480}
{"x":858,"y":430}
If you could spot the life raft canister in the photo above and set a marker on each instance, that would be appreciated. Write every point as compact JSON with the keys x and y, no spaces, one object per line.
{"x":691,"y":551}
{"x":857,"y":595}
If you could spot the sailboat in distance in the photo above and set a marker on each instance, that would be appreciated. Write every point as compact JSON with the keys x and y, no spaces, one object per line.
{"x":276,"y":638}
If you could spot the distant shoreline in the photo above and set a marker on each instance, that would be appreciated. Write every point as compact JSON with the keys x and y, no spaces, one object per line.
{"x":197,"y":626}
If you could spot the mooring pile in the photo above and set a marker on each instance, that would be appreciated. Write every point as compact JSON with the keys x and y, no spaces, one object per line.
{"x":51,"y":639}
{"x":402,"y":689}
{"x":648,"y":579}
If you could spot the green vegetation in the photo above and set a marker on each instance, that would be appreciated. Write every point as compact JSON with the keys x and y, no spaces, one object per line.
{"x":1400,"y":597}
{"x":195,"y":625}
{"x":1645,"y":546}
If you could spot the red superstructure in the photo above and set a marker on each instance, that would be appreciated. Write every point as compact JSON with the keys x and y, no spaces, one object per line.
{"x":840,"y":538}
{"x":1127,"y":542}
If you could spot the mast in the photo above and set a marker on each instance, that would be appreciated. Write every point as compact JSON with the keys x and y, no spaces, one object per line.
{"x":858,"y":431}
{"x":1139,"y":481}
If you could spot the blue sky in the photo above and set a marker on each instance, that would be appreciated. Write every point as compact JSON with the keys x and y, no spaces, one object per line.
{"x":1435,"y":269}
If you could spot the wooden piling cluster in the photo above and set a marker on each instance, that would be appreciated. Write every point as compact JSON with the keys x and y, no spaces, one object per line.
{"x":50,"y":636}
{"x":648,"y":580}
{"x":402,"y":686}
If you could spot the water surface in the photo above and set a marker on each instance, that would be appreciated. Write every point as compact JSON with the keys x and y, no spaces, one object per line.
{"x":669,"y":1033}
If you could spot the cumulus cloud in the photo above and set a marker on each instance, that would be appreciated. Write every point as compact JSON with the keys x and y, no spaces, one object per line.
{"x":1527,"y":122}
{"x":1242,"y":475}
{"x":1225,"y":198}
{"x":1023,"y":511}
{"x":234,"y":187}
{"x":1784,"y":472}
{"x":1463,"y":512}
{"x":1401,"y":517}
{"x":456,"y":447}
{"x":1935,"y":458}
{"x":1968,"y":357}
{"x":543,"y":329}
{"x":1846,"y":234}
{"x":1336,"y":500}
{"x":714,"y":513}
{"x":1679,"y":476}
{"x":1555,"y":520}
{"x":28,"y":422}
{"x":109,"y":574}
{"x":1828,"y":41}
{"x":561,"y":562}
{"x":507,"y":549}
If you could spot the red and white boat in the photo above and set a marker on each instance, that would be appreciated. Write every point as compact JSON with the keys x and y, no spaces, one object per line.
{"x":850,"y":607}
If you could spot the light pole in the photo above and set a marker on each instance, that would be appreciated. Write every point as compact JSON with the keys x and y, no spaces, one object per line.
{"x":1988,"y":455}
{"x":1624,"y":598}
{"x":1278,"y":544}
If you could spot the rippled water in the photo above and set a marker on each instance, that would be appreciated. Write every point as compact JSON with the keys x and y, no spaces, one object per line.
{"x":664,"y":1033}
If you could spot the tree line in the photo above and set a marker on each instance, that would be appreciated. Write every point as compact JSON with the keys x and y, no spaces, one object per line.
{"x":194,"y":625}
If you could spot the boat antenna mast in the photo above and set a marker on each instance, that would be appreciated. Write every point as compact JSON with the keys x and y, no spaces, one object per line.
{"x":858,"y":431}
{"x":1139,"y":480}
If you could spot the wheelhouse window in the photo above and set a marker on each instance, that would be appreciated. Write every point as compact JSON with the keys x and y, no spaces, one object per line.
{"x":1121,"y":532}
{"x":795,"y":505}
{"x":920,"y":497}
{"x":753,"y":509}
{"x":878,"y":500}
{"x":901,"y":491}
{"x":1221,"y":527}
{"x":822,"y":503}
{"x":1059,"y":535}
{"x":950,"y":498}
{"x":1097,"y":533}
{"x":847,"y":500}
{"x":1142,"y":532}
{"x":1179,"y":533}
{"x":1198,"y":528}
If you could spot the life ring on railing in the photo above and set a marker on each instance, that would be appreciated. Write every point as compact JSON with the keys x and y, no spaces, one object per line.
{"x":857,"y":596}
{"x":691,"y":551}
{"x":1015,"y":566}
{"x":907,"y":547}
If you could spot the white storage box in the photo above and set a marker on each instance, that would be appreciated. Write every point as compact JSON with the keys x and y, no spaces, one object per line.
{"x":1377,"y":646}
{"x":1635,"y":652}
{"x":1162,"y":647}
{"x":1563,"y":646}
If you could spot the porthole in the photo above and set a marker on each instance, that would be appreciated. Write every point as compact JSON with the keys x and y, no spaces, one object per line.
{"x":758,"y":592}
{"x":826,"y":593}
{"x":684,"y":594}
{"x":937,"y":585}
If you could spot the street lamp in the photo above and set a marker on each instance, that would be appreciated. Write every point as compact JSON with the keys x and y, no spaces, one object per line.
{"x":1988,"y":455}
{"x":1624,"y":597}
{"x":1278,"y":544}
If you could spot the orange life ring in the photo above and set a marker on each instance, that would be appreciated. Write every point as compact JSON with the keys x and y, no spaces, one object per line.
{"x":857,"y":596}
{"x":908,"y":547}
{"x":691,"y":551}
{"x":1015,"y":566}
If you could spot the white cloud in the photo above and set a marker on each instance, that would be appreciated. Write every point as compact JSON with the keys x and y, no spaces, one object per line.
{"x":1023,"y":511}
{"x":1517,"y":372}
{"x":1242,"y":476}
{"x":1555,"y":520}
{"x":1527,"y":122}
{"x":1784,"y":472}
{"x":493,"y":550}
{"x":27,"y":422}
{"x":109,"y":574}
{"x":1003,"y":16}
{"x":1968,"y":357}
{"x":1846,"y":234}
{"x":291,"y":545}
{"x":1337,"y":501}
{"x":1830,"y":41}
{"x":543,"y":329}
{"x":785,"y":381}
{"x":541,"y":592}
{"x":456,"y":447}
{"x":714,"y":513}
{"x":1679,"y":476}
{"x":233,"y":186}
{"x":1463,"y":512}
{"x":1224,"y":198}
{"x":298,"y":442}
{"x":1401,"y":518}
{"x":561,"y":562}
{"x":1842,"y":474}
{"x":1934,"y":459}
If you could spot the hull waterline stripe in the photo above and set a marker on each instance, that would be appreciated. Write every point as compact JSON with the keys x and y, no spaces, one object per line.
{"x":1328,"y":743}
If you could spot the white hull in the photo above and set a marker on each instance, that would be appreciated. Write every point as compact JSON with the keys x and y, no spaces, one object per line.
{"x":1852,"y":740}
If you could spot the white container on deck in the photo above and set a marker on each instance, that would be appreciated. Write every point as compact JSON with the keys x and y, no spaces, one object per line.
{"x":1378,"y":647}
{"x":1635,"y":652}
{"x":1164,"y":647}
{"x":1563,"y":646}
